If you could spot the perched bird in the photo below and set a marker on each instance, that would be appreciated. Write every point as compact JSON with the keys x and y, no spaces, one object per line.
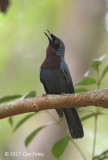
{"x":56,"y":79}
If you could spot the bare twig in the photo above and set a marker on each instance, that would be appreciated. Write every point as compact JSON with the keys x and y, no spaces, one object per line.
{"x":95,"y":98}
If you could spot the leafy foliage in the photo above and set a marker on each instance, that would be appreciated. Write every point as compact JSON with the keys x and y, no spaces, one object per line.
{"x":9,"y":98}
{"x":105,"y":71}
{"x":87,"y":81}
{"x":97,"y":62}
{"x":21,"y":121}
{"x":13,"y":97}
{"x":35,"y":132}
{"x":60,"y":119}
{"x":59,"y":147}
{"x":89,"y":116}
{"x":10,"y":119}
{"x":32,"y":135}
{"x":102,"y":156}
{"x":78,"y":90}
{"x":28,"y":95}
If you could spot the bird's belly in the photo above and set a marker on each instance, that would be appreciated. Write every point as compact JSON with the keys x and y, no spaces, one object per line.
{"x":54,"y":81}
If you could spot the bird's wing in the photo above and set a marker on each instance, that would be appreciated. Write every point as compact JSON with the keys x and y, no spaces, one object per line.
{"x":59,"y":111}
{"x":67,"y":76}
{"x":46,"y":90}
{"x":45,"y":87}
{"x":72,"y":118}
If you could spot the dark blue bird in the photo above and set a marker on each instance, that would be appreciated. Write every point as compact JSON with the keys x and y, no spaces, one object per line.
{"x":56,"y":79}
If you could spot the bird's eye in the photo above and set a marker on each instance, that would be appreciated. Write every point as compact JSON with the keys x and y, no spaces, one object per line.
{"x":56,"y":41}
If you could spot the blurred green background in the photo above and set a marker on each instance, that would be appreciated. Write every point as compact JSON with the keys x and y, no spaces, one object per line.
{"x":83,"y":26}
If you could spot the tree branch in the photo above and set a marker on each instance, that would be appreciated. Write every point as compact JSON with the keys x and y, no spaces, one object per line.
{"x":93,"y":98}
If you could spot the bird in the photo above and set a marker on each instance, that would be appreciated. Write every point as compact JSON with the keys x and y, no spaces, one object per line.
{"x":56,"y":79}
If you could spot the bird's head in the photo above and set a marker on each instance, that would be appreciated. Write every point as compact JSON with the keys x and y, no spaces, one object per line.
{"x":56,"y":44}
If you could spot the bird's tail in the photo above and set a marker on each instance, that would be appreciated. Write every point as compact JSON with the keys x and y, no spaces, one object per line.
{"x":74,"y":123}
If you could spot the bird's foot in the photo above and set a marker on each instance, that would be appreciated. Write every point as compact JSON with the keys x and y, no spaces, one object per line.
{"x":44,"y":94}
{"x":63,"y":93}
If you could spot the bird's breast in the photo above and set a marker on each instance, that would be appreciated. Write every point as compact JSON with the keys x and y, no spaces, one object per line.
{"x":51,"y":62}
{"x":53,"y":80}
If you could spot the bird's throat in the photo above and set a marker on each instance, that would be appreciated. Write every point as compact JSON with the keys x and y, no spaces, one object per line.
{"x":50,"y":51}
{"x":52,"y":61}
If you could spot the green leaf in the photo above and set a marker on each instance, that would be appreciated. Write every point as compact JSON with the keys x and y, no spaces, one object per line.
{"x":89,"y":116}
{"x":97,"y":62}
{"x":32,"y":135}
{"x":87,"y":81}
{"x":23,"y":120}
{"x":30,"y":94}
{"x":9,"y":98}
{"x":104,"y":72}
{"x":59,"y":147}
{"x":102,"y":156}
{"x":10,"y":120}
{"x":78,"y":90}
{"x":60,"y":119}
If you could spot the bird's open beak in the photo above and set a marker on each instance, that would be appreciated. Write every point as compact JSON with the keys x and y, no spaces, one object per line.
{"x":51,"y":38}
